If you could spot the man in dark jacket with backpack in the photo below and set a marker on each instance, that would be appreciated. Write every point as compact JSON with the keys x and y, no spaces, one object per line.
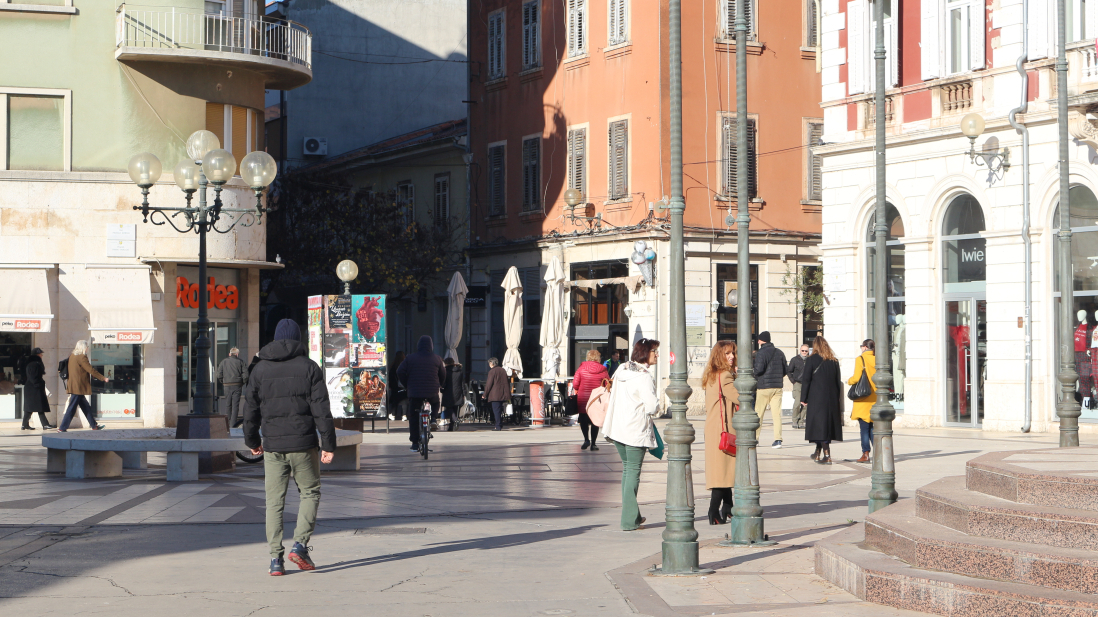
{"x":287,"y":396}
{"x":423,"y":374}
{"x":770,"y":370}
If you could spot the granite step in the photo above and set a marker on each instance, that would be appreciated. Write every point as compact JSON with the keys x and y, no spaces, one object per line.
{"x":897,"y":531}
{"x":844,"y":560}
{"x":947,"y":502}
{"x":1061,"y":477}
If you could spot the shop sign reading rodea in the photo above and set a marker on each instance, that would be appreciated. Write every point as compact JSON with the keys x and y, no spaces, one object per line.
{"x":219,"y":296}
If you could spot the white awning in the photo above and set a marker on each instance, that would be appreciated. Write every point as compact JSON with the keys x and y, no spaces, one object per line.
{"x":24,"y":300}
{"x":120,"y":305}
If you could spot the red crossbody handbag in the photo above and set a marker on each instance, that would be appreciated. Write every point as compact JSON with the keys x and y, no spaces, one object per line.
{"x":728,"y":440}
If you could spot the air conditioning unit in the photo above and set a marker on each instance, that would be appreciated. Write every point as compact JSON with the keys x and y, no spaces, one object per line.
{"x":316,"y":146}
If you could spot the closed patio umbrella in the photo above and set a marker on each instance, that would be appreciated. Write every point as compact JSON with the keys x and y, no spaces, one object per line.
{"x":455,"y":315}
{"x":512,"y":321}
{"x":552,"y":319}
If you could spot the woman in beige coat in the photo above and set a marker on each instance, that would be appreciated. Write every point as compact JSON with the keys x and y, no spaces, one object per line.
{"x":720,"y":468}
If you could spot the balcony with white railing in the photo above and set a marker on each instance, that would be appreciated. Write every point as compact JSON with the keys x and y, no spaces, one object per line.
{"x":280,"y":50}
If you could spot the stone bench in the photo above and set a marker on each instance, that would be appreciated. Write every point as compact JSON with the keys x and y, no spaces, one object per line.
{"x":104,"y":454}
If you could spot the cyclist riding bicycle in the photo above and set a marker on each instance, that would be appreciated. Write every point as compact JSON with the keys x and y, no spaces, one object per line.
{"x":422,"y":374}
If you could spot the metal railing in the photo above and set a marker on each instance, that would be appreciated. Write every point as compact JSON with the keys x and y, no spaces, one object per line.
{"x":254,"y":36}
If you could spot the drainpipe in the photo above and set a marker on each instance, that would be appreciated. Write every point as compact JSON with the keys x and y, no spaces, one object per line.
{"x":1026,"y":242}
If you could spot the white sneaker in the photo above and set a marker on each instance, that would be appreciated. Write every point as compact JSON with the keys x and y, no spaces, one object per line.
{"x":777,"y":445}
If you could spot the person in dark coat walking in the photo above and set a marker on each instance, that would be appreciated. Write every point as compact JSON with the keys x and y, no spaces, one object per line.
{"x":453,"y":392}
{"x":497,"y":390}
{"x":422,"y":373}
{"x":770,"y":370}
{"x":589,"y":375}
{"x":822,"y":393}
{"x":287,"y":397}
{"x":233,"y":374}
{"x":35,"y":400}
{"x":796,"y":374}
{"x":398,"y":396}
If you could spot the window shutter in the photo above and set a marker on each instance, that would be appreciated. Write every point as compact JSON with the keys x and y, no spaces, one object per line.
{"x":977,"y":21}
{"x":856,"y":54}
{"x":728,"y":132}
{"x":525,"y":35}
{"x":730,"y":18}
{"x":215,"y":120}
{"x":530,"y":172}
{"x":619,"y":153}
{"x":1038,"y":29}
{"x":572,"y":27}
{"x":810,"y":26}
{"x":931,"y":57}
{"x":495,"y":181}
{"x":442,"y":200}
{"x":491,"y":46}
{"x":617,"y":21}
{"x":752,"y":160}
{"x":623,"y":6}
{"x":530,"y":36}
{"x":581,"y":26}
{"x":815,"y":162}
{"x":577,"y":156}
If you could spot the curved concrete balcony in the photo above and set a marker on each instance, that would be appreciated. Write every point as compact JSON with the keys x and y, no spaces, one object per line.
{"x":278,"y":49}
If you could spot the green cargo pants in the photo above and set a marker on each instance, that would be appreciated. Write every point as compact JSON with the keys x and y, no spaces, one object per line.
{"x":278,"y":468}
{"x":631,"y":459}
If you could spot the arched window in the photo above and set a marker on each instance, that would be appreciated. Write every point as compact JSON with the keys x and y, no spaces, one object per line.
{"x":964,"y":279}
{"x":1083,"y":211}
{"x":897,"y":343}
{"x":964,"y":251}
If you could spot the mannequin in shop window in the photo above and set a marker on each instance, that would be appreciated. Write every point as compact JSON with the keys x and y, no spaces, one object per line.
{"x":899,"y":345}
{"x":1082,"y":358}
{"x":1093,"y":361}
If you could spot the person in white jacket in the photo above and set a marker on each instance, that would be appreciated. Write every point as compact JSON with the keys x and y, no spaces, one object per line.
{"x":628,"y":424}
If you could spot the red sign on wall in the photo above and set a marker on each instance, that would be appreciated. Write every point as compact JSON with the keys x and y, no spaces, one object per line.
{"x":218,"y":296}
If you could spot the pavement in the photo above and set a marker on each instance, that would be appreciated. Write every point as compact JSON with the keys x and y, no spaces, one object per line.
{"x":518,"y":522}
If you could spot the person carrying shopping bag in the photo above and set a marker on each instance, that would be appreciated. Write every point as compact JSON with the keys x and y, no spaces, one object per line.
{"x":628,"y":424}
{"x":862,"y":406}
{"x":589,"y":375}
{"x":79,"y":387}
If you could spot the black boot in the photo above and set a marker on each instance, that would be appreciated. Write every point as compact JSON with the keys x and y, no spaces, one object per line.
{"x":726,"y":507}
{"x":717,"y":496}
{"x":816,"y":455}
{"x":586,"y":441}
{"x":594,"y":438}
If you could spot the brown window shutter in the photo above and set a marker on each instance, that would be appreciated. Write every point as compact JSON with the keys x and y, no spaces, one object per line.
{"x":215,"y":121}
{"x":728,"y":132}
{"x":752,"y":160}
{"x":619,"y":159}
{"x":240,"y":133}
{"x":815,"y":162}
{"x":496,"y":184}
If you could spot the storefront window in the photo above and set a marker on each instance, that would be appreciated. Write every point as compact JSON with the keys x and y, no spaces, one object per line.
{"x":1084,"y":245}
{"x":15,"y":348}
{"x":964,"y":274}
{"x":120,"y":397}
{"x":728,"y":296}
{"x":599,"y":321}
{"x":896,"y":347}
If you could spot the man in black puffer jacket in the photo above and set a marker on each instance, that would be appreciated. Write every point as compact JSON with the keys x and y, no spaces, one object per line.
{"x":423,"y":374}
{"x":770,"y":369}
{"x":286,"y":395}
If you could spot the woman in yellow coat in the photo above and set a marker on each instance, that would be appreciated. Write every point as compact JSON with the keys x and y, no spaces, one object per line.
{"x":867,"y":361}
{"x":720,"y":468}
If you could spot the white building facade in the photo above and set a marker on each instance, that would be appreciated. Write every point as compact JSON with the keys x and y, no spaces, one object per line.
{"x":957,"y":267}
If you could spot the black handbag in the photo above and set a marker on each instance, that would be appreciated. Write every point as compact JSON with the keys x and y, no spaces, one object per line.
{"x":861,"y":389}
{"x":571,"y":405}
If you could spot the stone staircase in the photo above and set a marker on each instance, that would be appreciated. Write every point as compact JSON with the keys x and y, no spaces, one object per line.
{"x":1016,"y":536}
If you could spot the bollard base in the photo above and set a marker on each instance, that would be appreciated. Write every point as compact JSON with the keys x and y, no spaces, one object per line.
{"x":684,"y":555}
{"x":747,"y":532}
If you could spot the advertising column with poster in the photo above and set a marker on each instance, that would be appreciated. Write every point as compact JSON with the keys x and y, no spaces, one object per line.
{"x":347,"y":337}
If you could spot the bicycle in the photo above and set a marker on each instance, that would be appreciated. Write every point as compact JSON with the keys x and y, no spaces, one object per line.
{"x":424,"y":429}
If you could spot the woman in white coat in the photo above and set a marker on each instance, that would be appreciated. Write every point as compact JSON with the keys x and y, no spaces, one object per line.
{"x":628,"y":424}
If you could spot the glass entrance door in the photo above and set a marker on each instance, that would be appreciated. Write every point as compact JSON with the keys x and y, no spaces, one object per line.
{"x":966,"y":358}
{"x":222,"y":336}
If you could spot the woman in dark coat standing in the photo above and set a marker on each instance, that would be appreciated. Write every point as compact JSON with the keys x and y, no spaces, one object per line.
{"x":822,"y":393}
{"x":34,"y":391}
{"x":453,"y":392}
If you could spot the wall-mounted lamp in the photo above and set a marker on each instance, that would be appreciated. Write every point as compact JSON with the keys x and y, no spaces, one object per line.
{"x":572,"y":199}
{"x":716,"y":304}
{"x":628,"y":310}
{"x":972,"y":126}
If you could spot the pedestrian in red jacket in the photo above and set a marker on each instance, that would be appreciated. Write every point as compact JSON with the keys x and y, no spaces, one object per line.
{"x":588,"y":376}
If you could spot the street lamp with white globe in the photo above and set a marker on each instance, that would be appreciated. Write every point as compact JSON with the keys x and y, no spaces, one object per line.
{"x":206,"y":164}
{"x":347,"y":271}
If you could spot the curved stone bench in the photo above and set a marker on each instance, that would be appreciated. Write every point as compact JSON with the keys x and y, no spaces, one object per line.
{"x":104,"y":454}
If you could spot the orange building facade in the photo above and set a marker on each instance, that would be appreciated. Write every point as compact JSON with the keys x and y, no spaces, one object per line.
{"x":574,"y":94}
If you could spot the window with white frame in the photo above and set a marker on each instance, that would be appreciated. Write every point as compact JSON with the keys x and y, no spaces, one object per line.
{"x":728,"y":19}
{"x":730,"y":159}
{"x":1082,"y":19}
{"x":442,"y":199}
{"x":954,"y":35}
{"x":531,"y":34}
{"x":862,"y":39}
{"x":531,"y":159}
{"x":496,"y":49}
{"x":619,"y":160}
{"x":406,"y":199}
{"x":496,"y":180}
{"x":35,"y":129}
{"x":618,"y":20}
{"x":577,"y":28}
{"x":577,"y":160}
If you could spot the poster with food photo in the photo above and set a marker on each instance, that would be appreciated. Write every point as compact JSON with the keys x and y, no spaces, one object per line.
{"x":370,"y":388}
{"x":369,"y":318}
{"x":340,"y":382}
